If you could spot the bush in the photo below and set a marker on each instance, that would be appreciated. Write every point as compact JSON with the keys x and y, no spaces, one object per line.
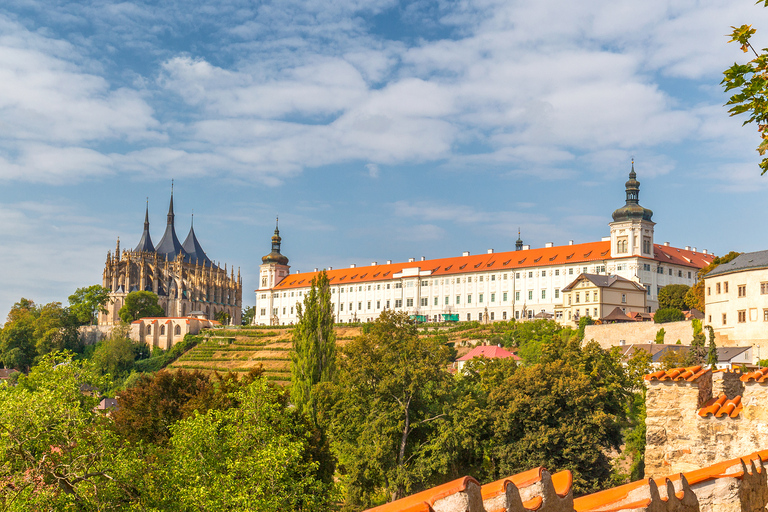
{"x":665,"y":315}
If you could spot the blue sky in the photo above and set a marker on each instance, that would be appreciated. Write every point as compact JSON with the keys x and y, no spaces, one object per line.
{"x":376,"y":130}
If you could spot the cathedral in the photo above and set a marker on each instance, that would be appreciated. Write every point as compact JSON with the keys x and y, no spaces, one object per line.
{"x":185,"y":280}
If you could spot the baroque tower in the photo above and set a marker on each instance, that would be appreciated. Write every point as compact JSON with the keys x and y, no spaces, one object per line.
{"x":632,"y":228}
{"x":273,"y":269}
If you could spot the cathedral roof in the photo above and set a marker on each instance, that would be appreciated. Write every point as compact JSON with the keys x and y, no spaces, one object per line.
{"x":169,"y":246}
{"x":632,"y":209}
{"x":192,"y":247}
{"x":145,"y":244}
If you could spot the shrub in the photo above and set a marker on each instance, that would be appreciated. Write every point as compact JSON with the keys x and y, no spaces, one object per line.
{"x":665,"y":315}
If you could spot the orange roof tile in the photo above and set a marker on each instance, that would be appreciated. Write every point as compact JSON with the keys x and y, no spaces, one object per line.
{"x":760,"y":375}
{"x":591,"y":251}
{"x":489,"y":351}
{"x":722,"y":407}
{"x":689,"y":374}
{"x":424,"y":500}
{"x":666,"y":254}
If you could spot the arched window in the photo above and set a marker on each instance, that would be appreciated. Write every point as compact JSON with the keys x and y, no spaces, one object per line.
{"x":621,"y":246}
{"x":149,"y":329}
{"x":162,"y":330}
{"x":177,"y":330}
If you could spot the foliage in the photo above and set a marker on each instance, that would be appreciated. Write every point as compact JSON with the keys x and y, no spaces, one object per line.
{"x":694,"y":299}
{"x":164,"y":358}
{"x":32,"y":331}
{"x":660,"y":336}
{"x":674,"y":358}
{"x":663,"y":316}
{"x":313,"y":358}
{"x":750,"y":82}
{"x":114,"y":355}
{"x":388,"y":401}
{"x":698,"y":352}
{"x":223,"y":317}
{"x":673,"y":296}
{"x":86,"y":303}
{"x":712,"y":348}
{"x":583,"y":323}
{"x":140,"y":304}
{"x":249,"y":313}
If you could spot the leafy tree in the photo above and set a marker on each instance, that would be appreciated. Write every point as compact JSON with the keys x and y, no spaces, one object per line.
{"x":712,"y":348}
{"x":313,"y":358}
{"x":698,"y":353}
{"x":750,"y":85}
{"x":86,"y":303}
{"x":252,"y":457}
{"x":222,"y":317}
{"x":673,"y":296}
{"x":140,"y":304}
{"x":694,"y":299}
{"x":583,"y":323}
{"x":660,"y":336}
{"x":114,"y":355}
{"x":248,"y":315}
{"x":674,"y":358}
{"x":663,"y":316}
{"x":390,"y":396}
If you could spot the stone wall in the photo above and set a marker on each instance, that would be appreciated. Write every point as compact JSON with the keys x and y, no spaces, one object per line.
{"x":611,"y":335}
{"x":678,"y":439}
{"x":92,"y":334}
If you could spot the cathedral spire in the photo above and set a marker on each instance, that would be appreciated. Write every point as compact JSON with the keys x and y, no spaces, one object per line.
{"x":193,"y":248}
{"x":169,"y":246}
{"x":145,"y":244}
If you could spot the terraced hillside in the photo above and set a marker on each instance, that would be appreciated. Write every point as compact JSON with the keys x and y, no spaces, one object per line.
{"x":241,"y":350}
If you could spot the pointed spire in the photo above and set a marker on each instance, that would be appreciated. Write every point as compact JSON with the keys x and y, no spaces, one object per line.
{"x":193,"y":248}
{"x":275,"y":256}
{"x":519,"y":242}
{"x":145,"y":244}
{"x":169,"y":246}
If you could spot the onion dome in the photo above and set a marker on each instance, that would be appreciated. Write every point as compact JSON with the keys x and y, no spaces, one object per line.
{"x":145,"y":244}
{"x":632,"y":209}
{"x":169,"y":246}
{"x":519,"y":242}
{"x":192,"y":247}
{"x":275,"y":256}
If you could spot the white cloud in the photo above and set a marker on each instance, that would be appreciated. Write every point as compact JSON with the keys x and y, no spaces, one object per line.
{"x":373,"y":170}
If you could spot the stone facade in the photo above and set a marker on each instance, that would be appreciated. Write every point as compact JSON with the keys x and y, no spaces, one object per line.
{"x":687,"y":429}
{"x":611,"y":335}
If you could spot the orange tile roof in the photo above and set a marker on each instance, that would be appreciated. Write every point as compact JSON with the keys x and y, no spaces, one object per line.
{"x":760,"y":375}
{"x":722,"y":407}
{"x":489,"y":351}
{"x":424,"y":500}
{"x":689,"y":374}
{"x":529,"y":258}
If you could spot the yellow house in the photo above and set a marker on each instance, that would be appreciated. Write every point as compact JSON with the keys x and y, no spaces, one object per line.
{"x":596,"y":295}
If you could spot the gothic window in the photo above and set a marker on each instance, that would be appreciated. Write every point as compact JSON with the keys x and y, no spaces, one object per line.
{"x":162,"y":330}
{"x":149,"y":330}
{"x":177,"y":330}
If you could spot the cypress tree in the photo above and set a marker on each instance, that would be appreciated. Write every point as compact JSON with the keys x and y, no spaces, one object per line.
{"x":313,"y":358}
{"x":712,"y":348}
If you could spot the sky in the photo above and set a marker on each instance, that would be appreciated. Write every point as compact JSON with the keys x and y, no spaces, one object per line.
{"x":376,"y":130}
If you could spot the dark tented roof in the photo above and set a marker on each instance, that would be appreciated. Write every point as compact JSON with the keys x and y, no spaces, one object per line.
{"x":145,"y":244}
{"x":169,"y":246}
{"x":601,"y":281}
{"x":746,"y":261}
{"x":192,"y":247}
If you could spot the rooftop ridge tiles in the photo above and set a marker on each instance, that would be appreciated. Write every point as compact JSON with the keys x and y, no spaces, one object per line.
{"x":689,"y":374}
{"x":760,"y":375}
{"x":424,"y":500}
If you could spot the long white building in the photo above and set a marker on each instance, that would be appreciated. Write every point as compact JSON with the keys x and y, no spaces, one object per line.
{"x":490,"y":286}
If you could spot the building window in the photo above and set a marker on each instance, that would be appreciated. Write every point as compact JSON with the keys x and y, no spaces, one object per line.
{"x":149,"y":328}
{"x":717,"y":288}
{"x":517,"y":275}
{"x":557,"y":272}
{"x":387,"y":305}
{"x":493,"y":297}
{"x":569,"y":300}
{"x":493,"y":277}
{"x":647,"y":266}
{"x":263,"y":311}
{"x":425,"y":283}
{"x":409,"y":303}
{"x":446,"y":300}
{"x":595,"y":314}
{"x":543,"y":294}
{"x":481,"y":279}
{"x":725,"y":287}
{"x":621,"y":246}
{"x":557,"y":293}
{"x":435,"y":301}
{"x":577,"y":297}
{"x":724,"y":319}
{"x":594,"y":296}
{"x":398,"y":303}
{"x":378,"y":304}
{"x":742,"y":316}
{"x":503,"y":297}
{"x":283,"y":309}
{"x":679,"y":273}
{"x":458,"y":299}
{"x":709,"y":290}
{"x":492,"y":315}
{"x":660,"y":270}
{"x":503,"y":315}
{"x":480,"y":298}
{"x":341,"y":307}
{"x":742,"y":289}
{"x":469,"y":317}
{"x":543,"y":273}
{"x":530,"y":294}
{"x":162,"y":330}
{"x":517,"y":314}
{"x":670,"y":271}
{"x":291,"y":309}
{"x":424,"y":302}
{"x":584,"y":270}
{"x":469,"y":299}
{"x":763,"y":288}
{"x":369,"y":304}
{"x":517,"y":296}
{"x":623,"y":298}
{"x":648,"y":290}
{"x":177,"y":330}
{"x":530,"y":274}
{"x":647,"y":245}
{"x":570,"y":271}
{"x":765,"y":315}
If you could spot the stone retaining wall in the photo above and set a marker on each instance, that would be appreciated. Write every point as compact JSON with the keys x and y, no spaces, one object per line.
{"x":611,"y":335}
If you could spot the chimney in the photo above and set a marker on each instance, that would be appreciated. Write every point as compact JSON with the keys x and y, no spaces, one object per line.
{"x":687,"y":247}
{"x":352,"y":266}
{"x":423,"y":258}
{"x":315,"y":269}
{"x":666,"y":244}
{"x":570,"y":242}
{"x":694,"y":249}
{"x":411,"y":260}
{"x":549,"y":244}
{"x":465,"y":253}
{"x":526,"y":247}
{"x":704,"y":251}
{"x":490,"y":251}
{"x":389,"y":262}
{"x":330,"y":268}
{"x":374,"y":263}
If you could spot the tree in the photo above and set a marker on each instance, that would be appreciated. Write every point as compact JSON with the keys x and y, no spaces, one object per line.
{"x":673,"y":296}
{"x":313,"y":358}
{"x":663,"y":316}
{"x":750,"y":82}
{"x":86,"y":303}
{"x":583,"y":323}
{"x":248,"y":315}
{"x":140,"y":304}
{"x":698,"y":353}
{"x":114,"y":355}
{"x":17,"y":341}
{"x":712,"y":348}
{"x":660,"y":336}
{"x":694,"y":299}
{"x":386,"y":405}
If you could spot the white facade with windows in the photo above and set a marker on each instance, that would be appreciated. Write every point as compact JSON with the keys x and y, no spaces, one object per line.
{"x":488,"y":287}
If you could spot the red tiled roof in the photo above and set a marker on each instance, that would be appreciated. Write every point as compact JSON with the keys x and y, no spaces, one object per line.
{"x":722,"y":407}
{"x":490,"y":352}
{"x":544,"y":256}
{"x":760,"y":375}
{"x":424,"y":500}
{"x":689,"y":374}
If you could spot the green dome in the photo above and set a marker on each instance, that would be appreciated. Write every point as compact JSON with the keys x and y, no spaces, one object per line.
{"x":275,"y":256}
{"x":632,"y":209}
